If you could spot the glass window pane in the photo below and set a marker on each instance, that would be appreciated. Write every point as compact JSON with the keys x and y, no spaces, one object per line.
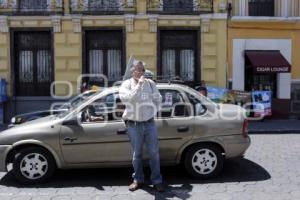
{"x":95,"y":62}
{"x":168,"y":64}
{"x":169,"y":99}
{"x":26,"y":67}
{"x":261,"y":7}
{"x":107,"y":107}
{"x":187,"y":71}
{"x":44,"y":66}
{"x":114,"y":65}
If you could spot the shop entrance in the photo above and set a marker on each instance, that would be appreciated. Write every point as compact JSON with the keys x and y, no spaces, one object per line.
{"x":257,"y":81}
{"x":262,"y":69}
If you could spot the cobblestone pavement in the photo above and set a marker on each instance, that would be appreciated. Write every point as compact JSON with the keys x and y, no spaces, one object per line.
{"x":270,"y":170}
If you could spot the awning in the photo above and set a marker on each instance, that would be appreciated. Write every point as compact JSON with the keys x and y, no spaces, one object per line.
{"x":268,"y":61}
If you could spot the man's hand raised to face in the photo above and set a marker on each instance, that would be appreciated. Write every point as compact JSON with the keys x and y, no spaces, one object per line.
{"x":141,"y":80}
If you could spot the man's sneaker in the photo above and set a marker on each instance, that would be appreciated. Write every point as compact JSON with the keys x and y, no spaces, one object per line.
{"x":159,"y":187}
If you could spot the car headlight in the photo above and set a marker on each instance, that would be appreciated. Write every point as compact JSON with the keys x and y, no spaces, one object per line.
{"x":16,"y":120}
{"x":19,"y":120}
{"x":13,"y":120}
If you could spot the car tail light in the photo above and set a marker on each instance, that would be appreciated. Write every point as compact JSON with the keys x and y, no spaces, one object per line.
{"x":245,"y":128}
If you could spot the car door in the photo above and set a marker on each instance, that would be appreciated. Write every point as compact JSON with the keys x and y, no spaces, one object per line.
{"x":100,"y":141}
{"x":205,"y":122}
{"x":173,"y":129}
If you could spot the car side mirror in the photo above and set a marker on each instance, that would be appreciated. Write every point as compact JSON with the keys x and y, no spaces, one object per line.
{"x":180,"y":110}
{"x":73,"y":121}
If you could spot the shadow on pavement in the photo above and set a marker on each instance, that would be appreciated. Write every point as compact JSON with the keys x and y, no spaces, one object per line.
{"x":178,"y":183}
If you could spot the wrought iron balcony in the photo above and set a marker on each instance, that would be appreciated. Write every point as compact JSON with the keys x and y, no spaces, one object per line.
{"x":186,"y":7}
{"x":31,"y":7}
{"x":102,"y":7}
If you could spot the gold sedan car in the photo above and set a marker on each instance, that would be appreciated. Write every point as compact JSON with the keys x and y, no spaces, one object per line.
{"x":192,"y":130}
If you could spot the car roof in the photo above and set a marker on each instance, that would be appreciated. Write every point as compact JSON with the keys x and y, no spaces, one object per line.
{"x":115,"y":89}
{"x":174,"y":86}
{"x":159,"y":85}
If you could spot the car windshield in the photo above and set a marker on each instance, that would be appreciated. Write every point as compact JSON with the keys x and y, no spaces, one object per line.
{"x":75,"y":102}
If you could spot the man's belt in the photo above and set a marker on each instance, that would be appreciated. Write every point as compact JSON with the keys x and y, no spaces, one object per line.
{"x":137,"y":122}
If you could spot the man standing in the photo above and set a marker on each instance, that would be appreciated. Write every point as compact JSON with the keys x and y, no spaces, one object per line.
{"x":142,"y":100}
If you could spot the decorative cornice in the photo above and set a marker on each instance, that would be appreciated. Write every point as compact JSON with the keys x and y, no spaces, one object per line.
{"x":56,"y":22}
{"x":205,"y":23}
{"x":129,"y":23}
{"x":3,"y":24}
{"x":138,"y":16}
{"x":214,"y":16}
{"x":153,"y":24}
{"x":76,"y":19}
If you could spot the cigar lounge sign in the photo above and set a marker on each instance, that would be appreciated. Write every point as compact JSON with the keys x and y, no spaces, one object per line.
{"x":269,"y":69}
{"x":271,"y":61}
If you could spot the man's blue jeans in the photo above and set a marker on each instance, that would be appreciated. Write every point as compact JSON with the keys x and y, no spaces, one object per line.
{"x":139,"y":133}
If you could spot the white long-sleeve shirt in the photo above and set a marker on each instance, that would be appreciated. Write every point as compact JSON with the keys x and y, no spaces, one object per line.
{"x":142,"y":102}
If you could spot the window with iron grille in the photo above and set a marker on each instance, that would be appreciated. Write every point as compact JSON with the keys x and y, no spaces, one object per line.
{"x":178,"y":55}
{"x":178,"y":5}
{"x":104,"y":5}
{"x":261,"y":7}
{"x":104,"y":55}
{"x":33,"y":5}
{"x":33,"y":63}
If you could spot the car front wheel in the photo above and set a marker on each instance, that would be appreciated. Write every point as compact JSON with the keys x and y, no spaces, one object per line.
{"x":204,"y":161}
{"x":33,"y":165}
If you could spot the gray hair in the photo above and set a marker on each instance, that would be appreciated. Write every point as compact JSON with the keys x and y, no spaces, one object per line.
{"x":137,"y":63}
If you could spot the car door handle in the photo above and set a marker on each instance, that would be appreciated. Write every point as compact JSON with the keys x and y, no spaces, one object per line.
{"x":183,"y":129}
{"x":121,"y":131}
{"x":69,"y":139}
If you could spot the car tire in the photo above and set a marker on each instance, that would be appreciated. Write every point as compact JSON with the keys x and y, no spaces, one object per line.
{"x":33,"y":165}
{"x":204,"y":161}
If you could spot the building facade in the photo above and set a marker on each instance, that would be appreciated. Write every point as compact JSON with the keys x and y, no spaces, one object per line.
{"x":47,"y":45}
{"x":264,"y":49}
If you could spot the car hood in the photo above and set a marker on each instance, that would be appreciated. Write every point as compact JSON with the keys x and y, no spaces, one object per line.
{"x":32,"y":130}
{"x":40,"y":122}
{"x":39,"y":112}
{"x":232,"y":111}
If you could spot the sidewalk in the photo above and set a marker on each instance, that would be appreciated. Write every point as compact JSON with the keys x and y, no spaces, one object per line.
{"x":258,"y":127}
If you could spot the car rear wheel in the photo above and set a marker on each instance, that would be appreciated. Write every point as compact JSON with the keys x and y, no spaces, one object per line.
{"x":33,"y":165}
{"x":204,"y":161}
